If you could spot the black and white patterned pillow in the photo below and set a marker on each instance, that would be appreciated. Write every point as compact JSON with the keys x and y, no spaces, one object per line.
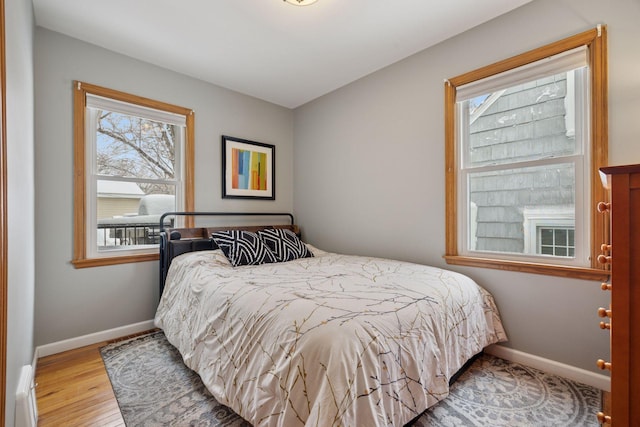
{"x":243,"y":247}
{"x":284,"y":244}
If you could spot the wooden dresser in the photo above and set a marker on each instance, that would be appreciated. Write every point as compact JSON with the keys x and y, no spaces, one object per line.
{"x":622,"y":319}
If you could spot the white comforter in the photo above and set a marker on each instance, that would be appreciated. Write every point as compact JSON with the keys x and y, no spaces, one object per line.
{"x":332,"y":340}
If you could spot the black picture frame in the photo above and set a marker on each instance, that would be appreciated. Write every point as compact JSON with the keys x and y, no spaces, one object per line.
{"x":248,"y":169}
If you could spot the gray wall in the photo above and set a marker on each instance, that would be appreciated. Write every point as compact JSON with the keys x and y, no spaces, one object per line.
{"x":19,"y":28}
{"x":369,"y":166}
{"x":73,"y":302}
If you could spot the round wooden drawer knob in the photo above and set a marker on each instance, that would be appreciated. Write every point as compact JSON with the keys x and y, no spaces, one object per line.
{"x":603,"y":365}
{"x":602,"y":418}
{"x":604,"y":259}
{"x":603,"y":312}
{"x":605,"y":286}
{"x":604,"y":325}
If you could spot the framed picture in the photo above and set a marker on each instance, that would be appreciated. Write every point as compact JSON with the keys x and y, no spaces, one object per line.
{"x":248,"y":169}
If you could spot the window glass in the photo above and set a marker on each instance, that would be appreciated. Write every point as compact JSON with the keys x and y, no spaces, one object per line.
{"x":129,"y":146}
{"x":524,"y":122}
{"x":501,"y":199}
{"x":136,"y":178}
{"x":519,"y":150}
{"x":131,"y":161}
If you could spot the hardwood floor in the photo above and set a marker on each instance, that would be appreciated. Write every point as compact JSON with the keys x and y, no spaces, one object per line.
{"x":73,"y":389}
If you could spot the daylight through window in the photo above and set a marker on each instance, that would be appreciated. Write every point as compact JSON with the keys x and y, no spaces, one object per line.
{"x":521,"y":162}
{"x":134,"y":171}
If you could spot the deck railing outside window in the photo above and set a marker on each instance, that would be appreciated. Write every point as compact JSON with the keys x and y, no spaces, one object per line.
{"x":118,"y":234}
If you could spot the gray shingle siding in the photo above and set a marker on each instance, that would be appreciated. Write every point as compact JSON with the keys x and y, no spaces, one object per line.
{"x":525,"y":122}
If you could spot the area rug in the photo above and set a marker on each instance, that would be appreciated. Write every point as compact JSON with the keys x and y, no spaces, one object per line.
{"x":154,"y":388}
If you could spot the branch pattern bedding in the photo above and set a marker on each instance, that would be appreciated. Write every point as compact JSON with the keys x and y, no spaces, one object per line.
{"x":328,"y":340}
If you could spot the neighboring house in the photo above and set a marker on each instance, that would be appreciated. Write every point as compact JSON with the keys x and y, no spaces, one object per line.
{"x":140,"y":227}
{"x":516,"y":211}
{"x":117,"y":198}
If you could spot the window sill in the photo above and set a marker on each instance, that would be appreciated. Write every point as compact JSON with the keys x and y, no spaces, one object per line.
{"x":530,"y":267}
{"x":99,"y":262}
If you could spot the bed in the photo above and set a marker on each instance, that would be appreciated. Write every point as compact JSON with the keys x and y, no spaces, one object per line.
{"x":324,"y":339}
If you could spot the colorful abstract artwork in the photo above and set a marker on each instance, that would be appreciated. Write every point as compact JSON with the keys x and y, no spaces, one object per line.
{"x":248,"y":169}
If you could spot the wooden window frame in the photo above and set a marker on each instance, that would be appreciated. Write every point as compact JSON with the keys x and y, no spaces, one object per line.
{"x":81,"y":89}
{"x":595,"y":41}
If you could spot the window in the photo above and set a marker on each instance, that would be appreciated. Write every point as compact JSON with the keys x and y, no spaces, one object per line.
{"x":556,"y":241}
{"x":524,"y":140}
{"x":133,"y":162}
{"x":537,"y":223}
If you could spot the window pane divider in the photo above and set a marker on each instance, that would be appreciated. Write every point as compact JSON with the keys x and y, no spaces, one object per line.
{"x":132,"y":179}
{"x":545,"y":161}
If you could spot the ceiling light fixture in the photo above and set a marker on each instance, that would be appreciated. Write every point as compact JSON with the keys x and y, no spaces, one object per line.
{"x":301,"y":2}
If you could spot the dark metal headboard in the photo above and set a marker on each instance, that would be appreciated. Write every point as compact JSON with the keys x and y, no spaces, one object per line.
{"x":178,"y":241}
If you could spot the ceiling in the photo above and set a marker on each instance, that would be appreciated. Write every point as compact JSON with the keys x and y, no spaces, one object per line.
{"x":268,"y":49}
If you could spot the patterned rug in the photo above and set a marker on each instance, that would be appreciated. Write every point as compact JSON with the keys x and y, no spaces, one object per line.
{"x":154,"y":388}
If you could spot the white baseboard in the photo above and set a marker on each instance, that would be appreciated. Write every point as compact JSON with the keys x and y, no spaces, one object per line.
{"x":26,"y":406}
{"x":583,"y":376}
{"x":71,"y":343}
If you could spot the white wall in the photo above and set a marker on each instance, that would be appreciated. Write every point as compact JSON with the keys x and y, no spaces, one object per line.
{"x":369,"y":165}
{"x":74,"y":302}
{"x":19,"y":27}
